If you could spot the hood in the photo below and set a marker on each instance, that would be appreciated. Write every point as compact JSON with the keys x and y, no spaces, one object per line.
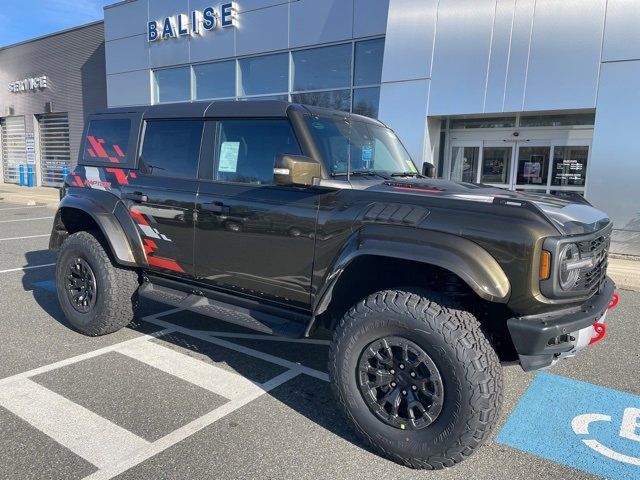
{"x":571,"y":216}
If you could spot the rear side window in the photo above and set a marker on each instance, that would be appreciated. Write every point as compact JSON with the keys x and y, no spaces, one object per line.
{"x":107,"y":141}
{"x":246,"y":150}
{"x":171,"y":148}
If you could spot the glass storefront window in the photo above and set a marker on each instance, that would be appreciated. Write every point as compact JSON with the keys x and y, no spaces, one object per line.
{"x":264,"y":75}
{"x":533,"y":165}
{"x":322,"y":68}
{"x":557,"y":120}
{"x":464,"y":164}
{"x":497,"y":122}
{"x":335,"y":99}
{"x":215,"y":80}
{"x":496,"y":162}
{"x":172,"y":85}
{"x":366,"y":101}
{"x":569,"y":166}
{"x":368,"y":62}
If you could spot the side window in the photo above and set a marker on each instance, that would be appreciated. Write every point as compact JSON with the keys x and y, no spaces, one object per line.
{"x":246,"y":150}
{"x":171,"y":148}
{"x":107,"y":141}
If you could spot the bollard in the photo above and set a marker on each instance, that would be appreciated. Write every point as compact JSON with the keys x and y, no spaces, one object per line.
{"x":65,"y":172}
{"x":30,"y":176}
{"x":21,"y":179}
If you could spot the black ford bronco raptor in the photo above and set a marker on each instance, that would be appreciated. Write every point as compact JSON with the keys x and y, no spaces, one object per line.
{"x":287,"y":219}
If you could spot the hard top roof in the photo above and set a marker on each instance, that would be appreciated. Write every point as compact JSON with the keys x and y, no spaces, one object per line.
{"x":228,"y":109}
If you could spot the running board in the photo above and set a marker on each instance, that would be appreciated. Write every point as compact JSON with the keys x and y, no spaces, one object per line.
{"x":248,"y":318}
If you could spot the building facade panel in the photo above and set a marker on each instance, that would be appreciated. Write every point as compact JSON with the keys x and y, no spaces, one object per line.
{"x":252,"y":37}
{"x":518,"y":60}
{"x":614,"y":175}
{"x":127,"y":54}
{"x":499,"y":56}
{"x":461,"y":57}
{"x":129,"y":88}
{"x":565,"y":55}
{"x":124,"y":21}
{"x":313,"y":22}
{"x":622,"y":35}
{"x":370,"y":17}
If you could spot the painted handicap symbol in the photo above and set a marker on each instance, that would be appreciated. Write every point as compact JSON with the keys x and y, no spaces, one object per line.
{"x":629,"y":429}
{"x":581,"y":425}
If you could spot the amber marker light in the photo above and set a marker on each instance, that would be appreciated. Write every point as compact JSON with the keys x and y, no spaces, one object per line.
{"x":545,"y":265}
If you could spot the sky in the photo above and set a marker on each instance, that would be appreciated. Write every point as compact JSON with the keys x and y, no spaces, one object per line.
{"x":18,"y":22}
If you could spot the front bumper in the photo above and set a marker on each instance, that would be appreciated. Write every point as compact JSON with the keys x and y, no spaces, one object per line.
{"x":543,"y":340}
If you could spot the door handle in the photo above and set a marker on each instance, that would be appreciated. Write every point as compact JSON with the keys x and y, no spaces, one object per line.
{"x":136,"y":197}
{"x":217,"y":207}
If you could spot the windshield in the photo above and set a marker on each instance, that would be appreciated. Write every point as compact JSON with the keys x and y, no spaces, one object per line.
{"x":359,"y":147}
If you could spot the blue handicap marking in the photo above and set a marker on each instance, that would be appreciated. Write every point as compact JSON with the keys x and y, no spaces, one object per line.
{"x":587,"y":427}
{"x":46,"y":285}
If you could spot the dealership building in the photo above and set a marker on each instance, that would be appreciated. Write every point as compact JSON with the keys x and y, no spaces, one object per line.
{"x":48,"y":85}
{"x":531,"y":95}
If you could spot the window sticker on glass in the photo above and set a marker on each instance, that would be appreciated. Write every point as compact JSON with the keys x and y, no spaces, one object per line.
{"x":228,"y":161}
{"x":367,"y":155}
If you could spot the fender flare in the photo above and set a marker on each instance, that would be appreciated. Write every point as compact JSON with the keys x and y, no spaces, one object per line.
{"x":472,"y":263}
{"x":113,"y":219}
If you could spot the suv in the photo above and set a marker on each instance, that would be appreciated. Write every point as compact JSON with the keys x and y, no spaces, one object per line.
{"x":287,"y":219}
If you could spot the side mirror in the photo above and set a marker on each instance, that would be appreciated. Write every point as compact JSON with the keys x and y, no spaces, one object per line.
{"x":295,"y":170}
{"x":428,"y":170}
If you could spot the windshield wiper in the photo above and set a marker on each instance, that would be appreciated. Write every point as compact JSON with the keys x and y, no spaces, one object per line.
{"x":405,"y":174}
{"x":357,"y":173}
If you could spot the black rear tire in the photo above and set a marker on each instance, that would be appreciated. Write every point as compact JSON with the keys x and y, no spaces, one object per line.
{"x":468,"y":367}
{"x":113,"y":291}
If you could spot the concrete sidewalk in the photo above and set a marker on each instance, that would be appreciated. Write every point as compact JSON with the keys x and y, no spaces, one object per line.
{"x":626,"y":273}
{"x":29,"y":196}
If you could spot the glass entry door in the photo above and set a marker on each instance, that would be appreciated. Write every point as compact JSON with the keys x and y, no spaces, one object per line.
{"x":541,"y":166}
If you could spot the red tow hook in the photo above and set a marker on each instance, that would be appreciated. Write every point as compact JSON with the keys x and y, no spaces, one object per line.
{"x":615,"y":298}
{"x":599,"y":332}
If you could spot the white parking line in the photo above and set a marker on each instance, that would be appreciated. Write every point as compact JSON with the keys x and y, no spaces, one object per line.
{"x":24,"y":238}
{"x":32,"y":267}
{"x":22,"y":207}
{"x":85,"y":433}
{"x":25,"y":219}
{"x":189,"y":429}
{"x":207,"y":376}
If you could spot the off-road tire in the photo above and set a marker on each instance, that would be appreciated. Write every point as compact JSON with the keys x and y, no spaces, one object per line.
{"x":116,"y":287}
{"x":469,"y":367}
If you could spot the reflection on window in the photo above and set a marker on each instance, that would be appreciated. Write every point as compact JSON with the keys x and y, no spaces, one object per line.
{"x":368,"y":62}
{"x":247,"y":149}
{"x":334,"y":99}
{"x":497,"y":122}
{"x":557,"y":120}
{"x":283,"y":98}
{"x":322,"y":68}
{"x":495,"y":164}
{"x":172,"y":85}
{"x":264,"y":75}
{"x":464,"y":164}
{"x":171,"y":148}
{"x":533,"y":165}
{"x":569,"y":166}
{"x":107,"y":141}
{"x":366,"y":101}
{"x":215,"y":80}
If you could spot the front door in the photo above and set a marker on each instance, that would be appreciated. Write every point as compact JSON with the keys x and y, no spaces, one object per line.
{"x":252,"y":236}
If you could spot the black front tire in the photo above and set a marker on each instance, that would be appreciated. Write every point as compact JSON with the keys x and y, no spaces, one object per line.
{"x":115,"y":289}
{"x":468,"y":366}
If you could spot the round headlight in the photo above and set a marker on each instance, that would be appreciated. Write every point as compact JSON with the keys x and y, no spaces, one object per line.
{"x":569,"y":258}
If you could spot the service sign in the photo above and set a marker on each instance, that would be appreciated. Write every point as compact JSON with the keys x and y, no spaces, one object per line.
{"x":28,"y":84}
{"x":197,"y":22}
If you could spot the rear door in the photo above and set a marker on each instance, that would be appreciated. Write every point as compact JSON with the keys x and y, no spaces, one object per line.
{"x":162,"y":193}
{"x":254,"y":236}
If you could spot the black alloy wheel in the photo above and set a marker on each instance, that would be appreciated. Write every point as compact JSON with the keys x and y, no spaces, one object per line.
{"x":81,"y":285}
{"x":400,"y":383}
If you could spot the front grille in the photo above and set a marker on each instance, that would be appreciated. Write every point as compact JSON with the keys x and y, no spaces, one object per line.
{"x":592,"y":278}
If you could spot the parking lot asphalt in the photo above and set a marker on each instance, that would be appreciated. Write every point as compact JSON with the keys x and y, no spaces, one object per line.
{"x":177,"y":395}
